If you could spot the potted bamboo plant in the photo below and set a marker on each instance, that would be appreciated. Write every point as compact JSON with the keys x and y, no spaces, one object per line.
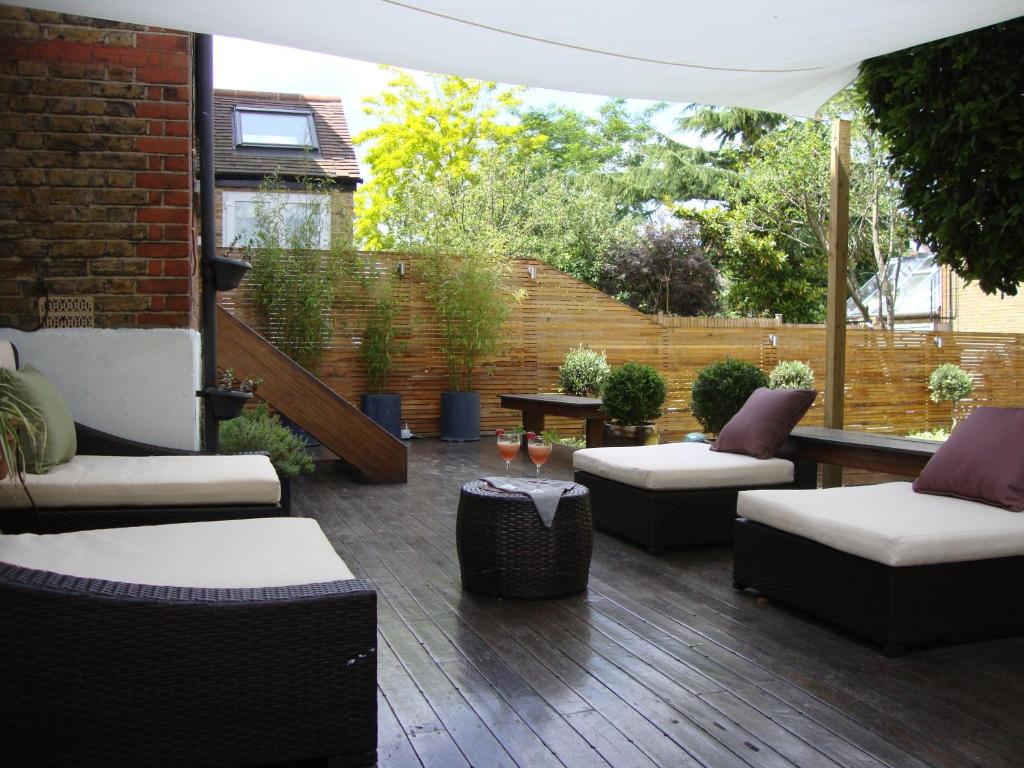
{"x":472,"y":301}
{"x":378,"y":349}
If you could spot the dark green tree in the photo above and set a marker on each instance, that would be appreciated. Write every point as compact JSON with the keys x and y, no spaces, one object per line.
{"x":952,"y":112}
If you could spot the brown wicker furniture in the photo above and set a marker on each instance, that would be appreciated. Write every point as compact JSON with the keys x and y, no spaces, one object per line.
{"x":505,"y":550}
{"x":895,"y":607}
{"x":94,"y":442}
{"x":101,"y":673}
{"x":897,"y":567}
{"x":660,"y":520}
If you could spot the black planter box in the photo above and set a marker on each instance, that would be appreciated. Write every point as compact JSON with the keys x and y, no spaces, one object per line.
{"x":460,"y":416}
{"x":228,"y":273}
{"x":386,"y":410}
{"x":227,"y":403}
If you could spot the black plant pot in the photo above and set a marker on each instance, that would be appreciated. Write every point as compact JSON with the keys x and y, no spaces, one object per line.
{"x":227,"y":403}
{"x":228,"y":273}
{"x":386,"y":410}
{"x":460,"y":416}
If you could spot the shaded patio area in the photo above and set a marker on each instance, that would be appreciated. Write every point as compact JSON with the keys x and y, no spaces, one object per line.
{"x":661,"y":662}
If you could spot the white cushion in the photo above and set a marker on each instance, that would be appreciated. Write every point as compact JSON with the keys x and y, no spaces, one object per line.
{"x":7,"y":355}
{"x":266,"y":552}
{"x":889,"y":523}
{"x":680,"y":466}
{"x":146,"y":481}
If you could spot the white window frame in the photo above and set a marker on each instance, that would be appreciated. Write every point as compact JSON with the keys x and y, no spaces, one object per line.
{"x":230,"y":198}
{"x":239,"y":111}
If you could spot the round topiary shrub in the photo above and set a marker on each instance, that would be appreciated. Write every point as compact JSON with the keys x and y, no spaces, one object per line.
{"x":791,"y":374}
{"x":583,"y":372}
{"x":634,"y":394}
{"x":950,"y":383}
{"x":721,"y":389}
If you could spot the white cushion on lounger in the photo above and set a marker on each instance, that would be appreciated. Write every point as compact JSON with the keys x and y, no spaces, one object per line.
{"x":681,"y":466}
{"x":146,"y":481}
{"x":890,"y":524}
{"x":265,"y":552}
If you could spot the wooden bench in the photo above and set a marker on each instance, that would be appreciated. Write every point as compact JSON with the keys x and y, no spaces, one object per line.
{"x":536,"y":407}
{"x":864,"y":450}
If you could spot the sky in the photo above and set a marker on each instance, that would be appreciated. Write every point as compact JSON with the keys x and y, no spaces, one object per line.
{"x":247,"y":65}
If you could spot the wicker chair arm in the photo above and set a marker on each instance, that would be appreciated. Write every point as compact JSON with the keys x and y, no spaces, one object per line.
{"x":107,"y":673}
{"x":93,"y":442}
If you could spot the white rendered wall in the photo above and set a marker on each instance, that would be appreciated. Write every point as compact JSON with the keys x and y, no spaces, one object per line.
{"x":138,"y":384}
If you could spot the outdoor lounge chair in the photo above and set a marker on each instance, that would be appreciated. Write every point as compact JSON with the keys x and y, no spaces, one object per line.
{"x":894,"y":566}
{"x":229,"y":643}
{"x":677,"y":494}
{"x":113,"y":482}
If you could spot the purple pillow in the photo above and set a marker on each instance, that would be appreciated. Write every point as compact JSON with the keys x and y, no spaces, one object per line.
{"x":983,"y":460}
{"x":764,"y":422}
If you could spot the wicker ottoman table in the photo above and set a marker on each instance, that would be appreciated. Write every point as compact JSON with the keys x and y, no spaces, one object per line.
{"x":504,"y":548}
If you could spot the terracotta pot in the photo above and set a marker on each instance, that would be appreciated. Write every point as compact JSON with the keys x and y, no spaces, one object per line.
{"x":621,"y":435}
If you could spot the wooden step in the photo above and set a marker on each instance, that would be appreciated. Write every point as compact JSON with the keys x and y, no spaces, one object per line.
{"x":303,"y":398}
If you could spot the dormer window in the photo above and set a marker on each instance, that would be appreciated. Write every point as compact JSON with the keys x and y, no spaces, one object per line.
{"x":275,"y":128}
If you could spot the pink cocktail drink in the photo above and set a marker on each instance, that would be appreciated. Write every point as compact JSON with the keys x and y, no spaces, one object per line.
{"x":539,"y":450}
{"x":508,"y":447}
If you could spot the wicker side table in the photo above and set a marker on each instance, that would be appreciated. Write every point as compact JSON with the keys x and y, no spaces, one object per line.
{"x":505,"y":550}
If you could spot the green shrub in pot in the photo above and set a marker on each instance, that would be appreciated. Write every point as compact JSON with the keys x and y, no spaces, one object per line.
{"x":633,"y":394}
{"x":259,"y":430}
{"x":583,"y":372}
{"x":721,"y":389}
{"x":791,"y":374}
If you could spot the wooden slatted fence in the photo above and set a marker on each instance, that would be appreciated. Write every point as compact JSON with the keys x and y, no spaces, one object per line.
{"x":886,"y":371}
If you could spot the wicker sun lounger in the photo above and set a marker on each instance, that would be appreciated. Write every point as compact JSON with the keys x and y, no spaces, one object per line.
{"x":104,"y":673}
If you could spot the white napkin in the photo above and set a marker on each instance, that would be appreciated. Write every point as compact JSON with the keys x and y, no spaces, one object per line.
{"x":545,"y":494}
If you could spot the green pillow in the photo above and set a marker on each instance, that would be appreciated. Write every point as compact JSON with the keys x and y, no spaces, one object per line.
{"x":61,"y":443}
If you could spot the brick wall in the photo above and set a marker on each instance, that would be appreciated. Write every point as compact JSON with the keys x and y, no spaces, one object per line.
{"x":976,"y":311}
{"x":95,"y":168}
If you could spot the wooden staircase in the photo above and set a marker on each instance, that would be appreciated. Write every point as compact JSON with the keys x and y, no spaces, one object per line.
{"x":299,"y":395}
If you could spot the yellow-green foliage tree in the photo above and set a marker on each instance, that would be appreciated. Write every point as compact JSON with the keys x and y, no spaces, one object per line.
{"x":424,"y":134}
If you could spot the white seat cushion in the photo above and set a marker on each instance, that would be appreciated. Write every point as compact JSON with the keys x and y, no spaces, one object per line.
{"x":146,"y":481}
{"x":266,"y":552}
{"x":890,"y":524}
{"x":681,"y":466}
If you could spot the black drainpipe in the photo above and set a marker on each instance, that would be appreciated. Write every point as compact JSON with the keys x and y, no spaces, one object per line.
{"x":207,"y":230}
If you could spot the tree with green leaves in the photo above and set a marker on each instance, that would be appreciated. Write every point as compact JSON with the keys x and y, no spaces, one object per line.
{"x":772,"y":241}
{"x":426,"y":134}
{"x":951,"y":113}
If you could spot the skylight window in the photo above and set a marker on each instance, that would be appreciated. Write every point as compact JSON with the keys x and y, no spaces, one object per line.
{"x":277,"y":128}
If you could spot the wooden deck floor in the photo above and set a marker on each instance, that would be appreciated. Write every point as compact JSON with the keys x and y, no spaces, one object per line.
{"x":661,"y":662}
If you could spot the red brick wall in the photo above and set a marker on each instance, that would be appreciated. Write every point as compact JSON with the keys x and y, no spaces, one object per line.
{"x":95,"y":168}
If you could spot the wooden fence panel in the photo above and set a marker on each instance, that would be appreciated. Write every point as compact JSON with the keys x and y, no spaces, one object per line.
{"x":886,"y":371}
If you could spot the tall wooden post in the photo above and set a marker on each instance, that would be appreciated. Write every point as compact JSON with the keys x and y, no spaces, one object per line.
{"x":838,"y":255}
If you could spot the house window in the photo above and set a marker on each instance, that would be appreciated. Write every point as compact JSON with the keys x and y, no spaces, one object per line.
{"x":277,"y":128}
{"x":288,"y":211}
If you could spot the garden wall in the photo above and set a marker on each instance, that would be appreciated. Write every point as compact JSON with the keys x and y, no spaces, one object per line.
{"x":886,"y":372}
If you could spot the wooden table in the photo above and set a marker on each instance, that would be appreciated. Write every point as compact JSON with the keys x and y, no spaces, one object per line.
{"x":865,"y":450}
{"x":536,"y":407}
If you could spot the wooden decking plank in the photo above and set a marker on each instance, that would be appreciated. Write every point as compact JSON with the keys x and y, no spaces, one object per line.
{"x":393,"y":747}
{"x":588,"y":680}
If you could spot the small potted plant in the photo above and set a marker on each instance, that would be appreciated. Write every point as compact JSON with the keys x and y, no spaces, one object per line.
{"x":583,"y":372}
{"x":791,"y":374}
{"x":230,"y":395}
{"x":632,"y":398}
{"x":950,"y":383}
{"x":721,"y":389}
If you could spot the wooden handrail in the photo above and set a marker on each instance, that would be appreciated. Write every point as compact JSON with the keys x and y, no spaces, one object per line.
{"x":302,"y":397}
